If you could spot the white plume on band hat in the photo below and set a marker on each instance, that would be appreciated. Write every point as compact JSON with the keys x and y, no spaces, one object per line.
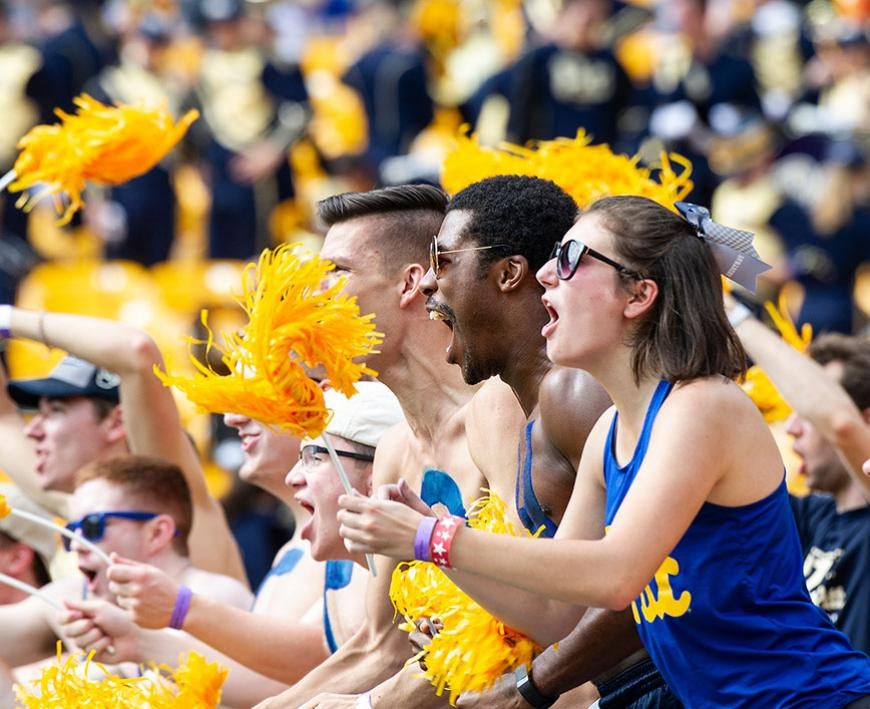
{"x":364,"y":417}
{"x":41,"y":539}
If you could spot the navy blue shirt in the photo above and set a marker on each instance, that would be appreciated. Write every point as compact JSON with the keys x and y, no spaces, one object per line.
{"x":836,"y":549}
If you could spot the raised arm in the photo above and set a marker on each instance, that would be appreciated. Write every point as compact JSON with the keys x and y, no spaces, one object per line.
{"x":812,"y":393}
{"x":149,"y":412}
{"x":19,"y":459}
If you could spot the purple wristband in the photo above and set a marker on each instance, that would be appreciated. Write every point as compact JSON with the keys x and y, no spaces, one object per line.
{"x":421,"y":539}
{"x":182,"y":604}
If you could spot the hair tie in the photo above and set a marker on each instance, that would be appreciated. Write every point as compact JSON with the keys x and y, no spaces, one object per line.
{"x":732,"y":248}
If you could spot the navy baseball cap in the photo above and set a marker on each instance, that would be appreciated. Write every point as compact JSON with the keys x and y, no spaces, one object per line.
{"x":72,"y":377}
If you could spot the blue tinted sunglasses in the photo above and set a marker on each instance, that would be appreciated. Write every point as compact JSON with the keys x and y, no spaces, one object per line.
{"x":93,"y":526}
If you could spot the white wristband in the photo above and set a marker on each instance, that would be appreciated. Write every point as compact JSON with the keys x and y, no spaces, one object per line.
{"x":364,"y":701}
{"x":5,"y":321}
{"x":738,"y":314}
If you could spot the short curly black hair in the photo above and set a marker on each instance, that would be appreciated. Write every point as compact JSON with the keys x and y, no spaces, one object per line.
{"x":527,"y":214}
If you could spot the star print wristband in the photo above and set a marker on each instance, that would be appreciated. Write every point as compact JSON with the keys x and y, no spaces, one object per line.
{"x":442,"y":539}
{"x":421,"y":539}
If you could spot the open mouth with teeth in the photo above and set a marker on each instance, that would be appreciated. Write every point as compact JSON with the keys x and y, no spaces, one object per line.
{"x":447,"y":319}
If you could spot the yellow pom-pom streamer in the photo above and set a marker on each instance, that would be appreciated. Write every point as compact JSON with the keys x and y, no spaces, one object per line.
{"x":105,"y":144}
{"x":473,"y":649}
{"x":297,"y":318}
{"x":196,"y":684}
{"x":757,"y":384}
{"x":586,"y":172}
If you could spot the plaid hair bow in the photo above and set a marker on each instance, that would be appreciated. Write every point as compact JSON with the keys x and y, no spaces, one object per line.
{"x":732,"y":248}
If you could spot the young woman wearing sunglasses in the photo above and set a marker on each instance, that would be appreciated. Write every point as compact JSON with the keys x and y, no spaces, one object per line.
{"x":679,"y":510}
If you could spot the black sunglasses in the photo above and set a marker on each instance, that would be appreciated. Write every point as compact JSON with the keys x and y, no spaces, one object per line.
{"x":93,"y":526}
{"x":569,"y":254}
{"x":307,"y":453}
{"x":434,"y":253}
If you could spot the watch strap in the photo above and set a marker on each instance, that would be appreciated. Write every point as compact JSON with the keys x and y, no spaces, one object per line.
{"x":529,"y":691}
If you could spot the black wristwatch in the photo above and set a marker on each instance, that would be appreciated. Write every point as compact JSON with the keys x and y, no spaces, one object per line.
{"x":529,"y":691}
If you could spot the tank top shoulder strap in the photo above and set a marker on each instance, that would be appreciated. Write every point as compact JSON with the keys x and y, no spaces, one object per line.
{"x":528,"y":507}
{"x":659,"y":395}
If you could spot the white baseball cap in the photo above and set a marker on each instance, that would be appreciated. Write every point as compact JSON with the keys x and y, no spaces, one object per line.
{"x":364,"y":417}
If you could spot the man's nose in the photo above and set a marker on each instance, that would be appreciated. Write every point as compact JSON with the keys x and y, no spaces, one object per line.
{"x":294,"y":477}
{"x":235,"y":420}
{"x":33,"y":429}
{"x":429,"y":284}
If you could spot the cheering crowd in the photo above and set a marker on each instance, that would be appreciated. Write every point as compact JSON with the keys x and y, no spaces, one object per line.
{"x":556,"y":480}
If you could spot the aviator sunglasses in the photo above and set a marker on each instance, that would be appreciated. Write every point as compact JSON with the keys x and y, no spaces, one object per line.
{"x":569,"y":254}
{"x":434,"y":253}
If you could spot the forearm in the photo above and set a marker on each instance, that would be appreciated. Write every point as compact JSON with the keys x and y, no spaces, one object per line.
{"x":811,"y":392}
{"x":106,"y":343}
{"x":284,"y":651}
{"x":510,"y":604}
{"x":407,"y":689}
{"x":244,"y":686}
{"x":363,"y":662}
{"x":600,"y":641}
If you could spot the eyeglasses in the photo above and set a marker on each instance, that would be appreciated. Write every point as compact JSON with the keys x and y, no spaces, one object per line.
{"x":434,"y":253}
{"x":308,"y":455}
{"x":93,"y":526}
{"x":569,"y":255}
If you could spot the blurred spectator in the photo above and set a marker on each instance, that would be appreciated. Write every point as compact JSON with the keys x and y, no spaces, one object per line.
{"x":137,"y":219}
{"x":254,"y":109}
{"x":74,"y":46}
{"x":573,"y":81}
{"x":393,"y":81}
{"x":824,"y":234}
{"x":26,"y":549}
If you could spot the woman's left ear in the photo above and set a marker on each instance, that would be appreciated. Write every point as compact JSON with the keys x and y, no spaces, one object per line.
{"x":643,"y":295}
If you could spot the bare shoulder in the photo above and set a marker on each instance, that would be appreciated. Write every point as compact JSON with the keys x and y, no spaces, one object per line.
{"x":391,"y":453}
{"x":714,"y":399}
{"x":218,"y":587}
{"x":571,"y":401}
{"x":493,"y":426}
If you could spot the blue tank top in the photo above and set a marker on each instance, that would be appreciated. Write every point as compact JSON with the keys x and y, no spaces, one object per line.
{"x":727,"y":618}
{"x":528,"y":507}
{"x":338,"y":575}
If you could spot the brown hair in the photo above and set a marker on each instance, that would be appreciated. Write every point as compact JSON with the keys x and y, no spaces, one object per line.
{"x":854,"y":354}
{"x":407,"y":217}
{"x":685,"y":334}
{"x":150,"y":483}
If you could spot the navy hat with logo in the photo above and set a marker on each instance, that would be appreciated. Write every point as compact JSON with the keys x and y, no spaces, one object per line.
{"x":72,"y":377}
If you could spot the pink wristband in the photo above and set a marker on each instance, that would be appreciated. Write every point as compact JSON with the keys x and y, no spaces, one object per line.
{"x":421,"y":539}
{"x":442,"y":539}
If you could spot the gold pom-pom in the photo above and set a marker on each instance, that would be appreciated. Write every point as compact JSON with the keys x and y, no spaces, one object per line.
{"x":757,"y":384}
{"x":5,"y":509}
{"x":196,"y":684}
{"x":105,"y":144}
{"x":586,"y":172}
{"x":297,"y":318}
{"x":474,"y":648}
